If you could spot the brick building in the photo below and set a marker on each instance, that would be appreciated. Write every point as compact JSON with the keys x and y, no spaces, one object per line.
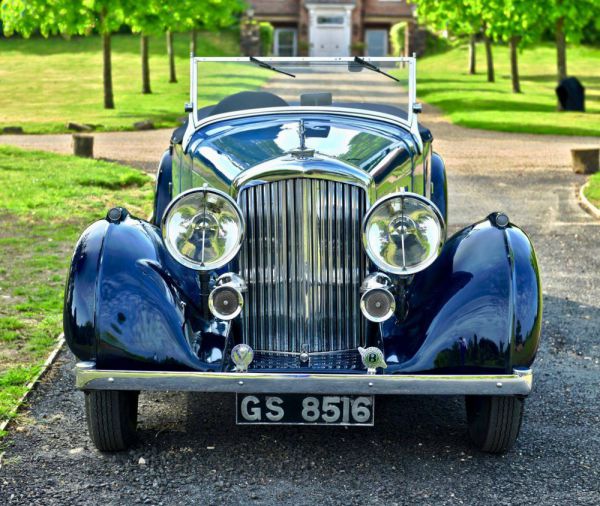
{"x":333,"y":27}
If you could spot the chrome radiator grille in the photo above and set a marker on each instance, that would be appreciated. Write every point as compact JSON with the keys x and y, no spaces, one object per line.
{"x":303,"y":262}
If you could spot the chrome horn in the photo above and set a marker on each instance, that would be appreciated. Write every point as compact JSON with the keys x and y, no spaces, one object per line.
{"x":377,"y":301}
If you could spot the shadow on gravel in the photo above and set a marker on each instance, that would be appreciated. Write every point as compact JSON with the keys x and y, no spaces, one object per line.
{"x":303,"y":465}
{"x":402,"y":424}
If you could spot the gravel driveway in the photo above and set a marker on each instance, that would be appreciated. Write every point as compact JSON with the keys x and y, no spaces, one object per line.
{"x":191,"y":452}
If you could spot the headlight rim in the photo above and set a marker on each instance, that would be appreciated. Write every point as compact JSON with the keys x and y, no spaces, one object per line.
{"x":174,"y":252}
{"x":385,"y":267}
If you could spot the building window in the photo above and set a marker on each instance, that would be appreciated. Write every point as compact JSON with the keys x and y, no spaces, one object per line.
{"x":330,"y":20}
{"x":285,"y":42}
{"x":376,"y":41}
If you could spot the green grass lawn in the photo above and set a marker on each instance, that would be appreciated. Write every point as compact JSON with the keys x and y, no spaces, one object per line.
{"x":592,"y":191}
{"x":471,"y":101}
{"x":46,"y":201}
{"x":46,"y":82}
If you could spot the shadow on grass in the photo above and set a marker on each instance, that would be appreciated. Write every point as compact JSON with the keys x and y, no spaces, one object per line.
{"x":514,"y":127}
{"x":469,"y":80}
{"x":467,"y":92}
{"x":551,"y":79}
{"x":479,"y":104}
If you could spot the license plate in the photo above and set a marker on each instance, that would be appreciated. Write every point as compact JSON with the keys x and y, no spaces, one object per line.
{"x":302,"y":409}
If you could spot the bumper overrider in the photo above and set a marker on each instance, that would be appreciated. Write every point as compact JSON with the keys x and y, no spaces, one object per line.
{"x":518,"y":383}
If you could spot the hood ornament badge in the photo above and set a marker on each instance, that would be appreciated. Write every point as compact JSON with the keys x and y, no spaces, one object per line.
{"x":302,"y":152}
{"x":242,"y":356}
{"x":372,"y":358}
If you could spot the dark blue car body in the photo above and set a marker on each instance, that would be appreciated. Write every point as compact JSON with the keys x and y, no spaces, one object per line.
{"x":298,"y":257}
{"x":130,"y":306}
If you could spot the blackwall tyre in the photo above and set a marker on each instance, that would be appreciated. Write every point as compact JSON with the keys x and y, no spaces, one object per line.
{"x":494,"y":421}
{"x":111,"y":418}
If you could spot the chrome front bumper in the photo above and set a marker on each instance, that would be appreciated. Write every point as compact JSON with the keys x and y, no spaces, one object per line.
{"x":90,"y":378}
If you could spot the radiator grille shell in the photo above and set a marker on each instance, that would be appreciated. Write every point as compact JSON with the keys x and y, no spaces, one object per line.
{"x":303,"y":263}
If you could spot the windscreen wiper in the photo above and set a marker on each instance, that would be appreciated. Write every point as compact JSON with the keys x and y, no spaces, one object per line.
{"x":270,"y":67}
{"x":374,"y":68}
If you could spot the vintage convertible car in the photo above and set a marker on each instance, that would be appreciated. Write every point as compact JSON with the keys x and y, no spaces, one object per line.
{"x":297,"y":256}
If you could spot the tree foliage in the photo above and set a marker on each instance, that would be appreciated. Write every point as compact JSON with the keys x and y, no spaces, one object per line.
{"x":81,"y":17}
{"x":463,"y":18}
{"x":459,"y":17}
{"x":266,"y":33}
{"x":576,"y":15}
{"x":186,"y":15}
{"x":397,"y":38}
{"x":66,"y":17}
{"x":507,"y":19}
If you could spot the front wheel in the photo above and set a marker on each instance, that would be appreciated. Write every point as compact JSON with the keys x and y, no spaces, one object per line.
{"x":111,"y":418}
{"x":494,"y":421}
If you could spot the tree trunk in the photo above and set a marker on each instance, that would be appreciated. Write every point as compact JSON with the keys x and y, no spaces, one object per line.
{"x":489,"y":58}
{"x":408,"y":33}
{"x":145,"y":65}
{"x":109,"y":101}
{"x":514,"y":65}
{"x":172,"y":75}
{"x":561,"y":49}
{"x":83,"y":145}
{"x":585,"y":160}
{"x":193,"y":41}
{"x":472,"y":54}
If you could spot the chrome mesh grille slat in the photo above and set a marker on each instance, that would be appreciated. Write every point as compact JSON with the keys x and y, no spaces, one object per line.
{"x":304,"y":264}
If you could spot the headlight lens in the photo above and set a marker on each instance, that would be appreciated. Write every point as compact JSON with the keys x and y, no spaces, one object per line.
{"x":403,"y":233}
{"x":203,"y":229}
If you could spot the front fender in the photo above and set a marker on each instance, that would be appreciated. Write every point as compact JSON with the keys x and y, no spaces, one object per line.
{"x":79,"y":310}
{"x":477,"y":308}
{"x":128,"y":304}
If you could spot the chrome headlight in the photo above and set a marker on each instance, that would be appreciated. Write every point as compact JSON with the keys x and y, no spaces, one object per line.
{"x":203,"y":228}
{"x":403,"y":233}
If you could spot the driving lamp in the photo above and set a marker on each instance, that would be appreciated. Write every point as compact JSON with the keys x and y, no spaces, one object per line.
{"x":403,"y":233}
{"x":203,"y":228}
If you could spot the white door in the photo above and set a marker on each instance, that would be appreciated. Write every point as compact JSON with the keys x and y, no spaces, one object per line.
{"x":377,"y":42}
{"x":330,"y":32}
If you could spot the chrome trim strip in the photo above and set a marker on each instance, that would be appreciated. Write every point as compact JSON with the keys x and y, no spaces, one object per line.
{"x":427,"y":164}
{"x":317,"y":167}
{"x":307,"y":109}
{"x":518,"y":383}
{"x":300,"y":59}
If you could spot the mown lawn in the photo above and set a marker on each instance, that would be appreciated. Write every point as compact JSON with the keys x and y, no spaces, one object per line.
{"x":471,"y":101}
{"x":46,"y":201}
{"x":592,"y":191}
{"x":45,"y":83}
